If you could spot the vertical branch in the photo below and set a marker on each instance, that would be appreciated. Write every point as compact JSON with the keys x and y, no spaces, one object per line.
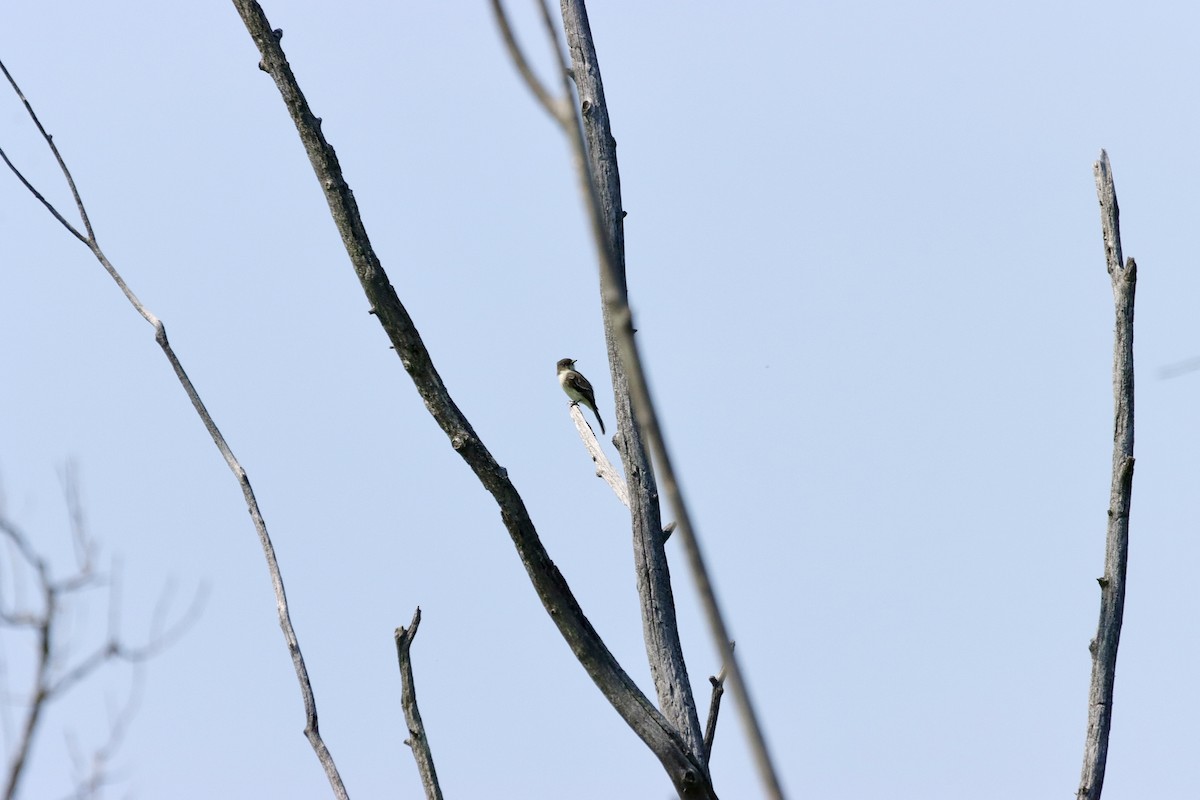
{"x":1116,"y":550}
{"x":596,"y":164}
{"x":597,"y":167}
{"x":44,"y":624}
{"x":412,"y":715}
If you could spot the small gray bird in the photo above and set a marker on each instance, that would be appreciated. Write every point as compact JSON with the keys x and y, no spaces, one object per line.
{"x":577,"y":387}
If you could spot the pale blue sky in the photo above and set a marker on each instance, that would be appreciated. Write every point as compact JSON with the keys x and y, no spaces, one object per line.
{"x":865,"y":258}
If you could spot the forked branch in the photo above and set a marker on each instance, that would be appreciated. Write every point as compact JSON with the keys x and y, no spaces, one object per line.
{"x":660,"y":628}
{"x":311,"y":730}
{"x":686,"y":771}
{"x":55,"y":671}
{"x":594,"y":155}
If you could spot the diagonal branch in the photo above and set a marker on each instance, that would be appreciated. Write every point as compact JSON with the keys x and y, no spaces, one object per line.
{"x":312,"y":731}
{"x":1116,"y":549}
{"x":62,"y":165}
{"x":555,"y":108}
{"x":685,"y":770}
{"x":604,"y":468}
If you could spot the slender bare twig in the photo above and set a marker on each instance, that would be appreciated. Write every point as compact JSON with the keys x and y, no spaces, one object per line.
{"x":412,"y":715}
{"x":686,"y":771}
{"x":52,"y":677}
{"x":1116,"y":549}
{"x":312,"y":730}
{"x":45,"y":625}
{"x":714,"y":708}
{"x":604,"y":468}
{"x":553,"y":107}
{"x":93,"y":769}
{"x":596,"y":166}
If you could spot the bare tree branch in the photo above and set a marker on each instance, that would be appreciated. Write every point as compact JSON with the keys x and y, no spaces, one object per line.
{"x":1116,"y":549}
{"x":52,"y":675}
{"x":594,"y":151}
{"x":93,"y":770}
{"x":61,"y":165}
{"x":714,"y":708}
{"x":312,"y":730}
{"x":604,"y":468}
{"x":664,"y":651}
{"x":684,"y":768}
{"x":553,"y":107}
{"x":660,"y":630}
{"x":44,"y":625}
{"x":412,"y":715}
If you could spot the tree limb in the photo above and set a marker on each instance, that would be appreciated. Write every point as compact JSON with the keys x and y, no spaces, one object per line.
{"x":660,"y":631}
{"x":685,"y":770}
{"x":311,"y":730}
{"x":412,"y":715}
{"x":604,"y":468}
{"x":52,"y":676}
{"x":555,"y":108}
{"x":714,"y":708}
{"x":596,"y":163}
{"x":1116,"y":549}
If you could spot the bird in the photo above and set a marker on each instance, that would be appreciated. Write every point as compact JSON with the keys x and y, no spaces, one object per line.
{"x":577,"y":387}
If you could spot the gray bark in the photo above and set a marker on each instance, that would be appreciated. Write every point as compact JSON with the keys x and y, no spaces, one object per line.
{"x":1116,"y":550}
{"x":416,"y":740}
{"x":659,"y":626}
{"x":552,"y":589}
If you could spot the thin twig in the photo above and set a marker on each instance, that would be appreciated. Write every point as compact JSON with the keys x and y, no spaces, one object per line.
{"x":44,"y":625}
{"x":95,"y":775}
{"x":685,"y":770}
{"x":536,"y":87}
{"x":598,"y":158}
{"x":412,"y":715}
{"x":1116,"y":549}
{"x":51,"y":678}
{"x":312,"y":730}
{"x":714,"y":708}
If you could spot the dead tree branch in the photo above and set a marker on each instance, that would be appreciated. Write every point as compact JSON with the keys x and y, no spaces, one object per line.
{"x":660,"y":630}
{"x":412,"y":715}
{"x":311,"y":730}
{"x":54,"y":672}
{"x":594,"y":156}
{"x":604,"y":468}
{"x":714,"y":708}
{"x":600,"y":183}
{"x":1116,"y":549}
{"x":687,"y":772}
